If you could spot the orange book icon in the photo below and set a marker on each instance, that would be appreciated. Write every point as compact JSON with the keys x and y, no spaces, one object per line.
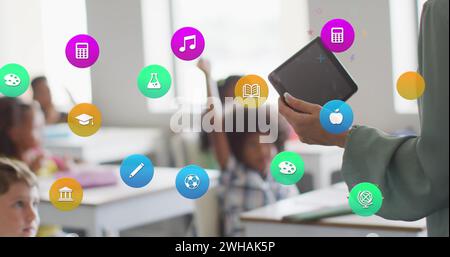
{"x":251,"y":90}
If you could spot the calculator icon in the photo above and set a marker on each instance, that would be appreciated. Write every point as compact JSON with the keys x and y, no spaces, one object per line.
{"x":81,"y":51}
{"x":337,"y":35}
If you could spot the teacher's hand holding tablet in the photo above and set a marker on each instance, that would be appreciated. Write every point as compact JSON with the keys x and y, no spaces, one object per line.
{"x":304,"y":117}
{"x":315,"y":76}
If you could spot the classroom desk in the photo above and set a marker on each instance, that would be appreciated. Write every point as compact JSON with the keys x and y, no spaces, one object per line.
{"x":108,"y":210}
{"x":109,"y":144}
{"x":320,"y":161}
{"x":267,"y":221}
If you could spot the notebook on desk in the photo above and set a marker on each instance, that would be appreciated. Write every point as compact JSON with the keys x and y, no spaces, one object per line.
{"x":322,"y":213}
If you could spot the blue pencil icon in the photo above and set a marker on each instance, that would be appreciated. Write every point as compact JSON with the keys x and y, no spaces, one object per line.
{"x":135,"y":171}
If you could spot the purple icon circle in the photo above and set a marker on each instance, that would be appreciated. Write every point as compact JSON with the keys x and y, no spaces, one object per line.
{"x":337,"y":35}
{"x":187,"y":43}
{"x":82,"y":51}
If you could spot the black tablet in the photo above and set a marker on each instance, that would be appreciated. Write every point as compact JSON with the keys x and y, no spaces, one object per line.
{"x":315,"y":75}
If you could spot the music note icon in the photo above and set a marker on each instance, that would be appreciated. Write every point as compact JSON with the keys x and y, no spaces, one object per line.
{"x":187,"y":43}
{"x":191,"y":46}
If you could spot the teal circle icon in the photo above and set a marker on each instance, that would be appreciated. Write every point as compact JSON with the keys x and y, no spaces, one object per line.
{"x":287,"y":168}
{"x":365,"y":199}
{"x":154,"y":81}
{"x":14,"y":80}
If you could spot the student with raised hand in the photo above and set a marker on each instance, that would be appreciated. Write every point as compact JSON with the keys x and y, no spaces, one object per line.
{"x":413,"y":171}
{"x":225,"y":88}
{"x":245,"y":181}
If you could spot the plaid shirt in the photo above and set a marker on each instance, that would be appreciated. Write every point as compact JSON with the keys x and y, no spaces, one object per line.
{"x":242,"y":189}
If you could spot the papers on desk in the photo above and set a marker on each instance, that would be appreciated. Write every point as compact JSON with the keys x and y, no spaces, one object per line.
{"x":322,"y":213}
{"x":90,"y":177}
{"x":304,"y":203}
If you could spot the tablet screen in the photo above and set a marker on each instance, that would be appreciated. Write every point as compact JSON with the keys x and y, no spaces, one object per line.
{"x":314,"y":75}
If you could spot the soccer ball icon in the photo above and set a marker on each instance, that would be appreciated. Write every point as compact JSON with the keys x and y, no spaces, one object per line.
{"x":192,"y":181}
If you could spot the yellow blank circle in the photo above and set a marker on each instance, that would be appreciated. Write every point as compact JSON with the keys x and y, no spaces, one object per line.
{"x":410,"y":85}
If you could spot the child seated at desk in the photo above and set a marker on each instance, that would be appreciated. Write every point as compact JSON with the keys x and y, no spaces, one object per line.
{"x":18,"y":199}
{"x":20,"y":125}
{"x":20,"y":136}
{"x":41,"y":94}
{"x":245,"y":182}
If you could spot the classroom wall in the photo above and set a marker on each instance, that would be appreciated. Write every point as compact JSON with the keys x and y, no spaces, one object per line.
{"x":371,"y":68}
{"x":118,"y":29}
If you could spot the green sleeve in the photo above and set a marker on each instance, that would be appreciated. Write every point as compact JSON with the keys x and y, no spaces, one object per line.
{"x":412,"y":175}
{"x":412,"y":172}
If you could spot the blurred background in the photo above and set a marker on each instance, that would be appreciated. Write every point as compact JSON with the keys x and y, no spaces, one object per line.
{"x":242,"y":37}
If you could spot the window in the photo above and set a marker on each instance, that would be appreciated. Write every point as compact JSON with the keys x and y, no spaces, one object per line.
{"x":405,"y":18}
{"x":157,"y":33}
{"x":60,"y":21}
{"x":242,"y":37}
{"x":38,"y":41}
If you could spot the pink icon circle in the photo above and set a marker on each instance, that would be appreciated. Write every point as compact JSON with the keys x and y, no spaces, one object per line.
{"x":337,"y":35}
{"x":187,"y":43}
{"x":82,"y":51}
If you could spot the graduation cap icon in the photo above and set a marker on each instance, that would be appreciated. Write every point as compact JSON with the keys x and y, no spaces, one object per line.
{"x":85,"y":119}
